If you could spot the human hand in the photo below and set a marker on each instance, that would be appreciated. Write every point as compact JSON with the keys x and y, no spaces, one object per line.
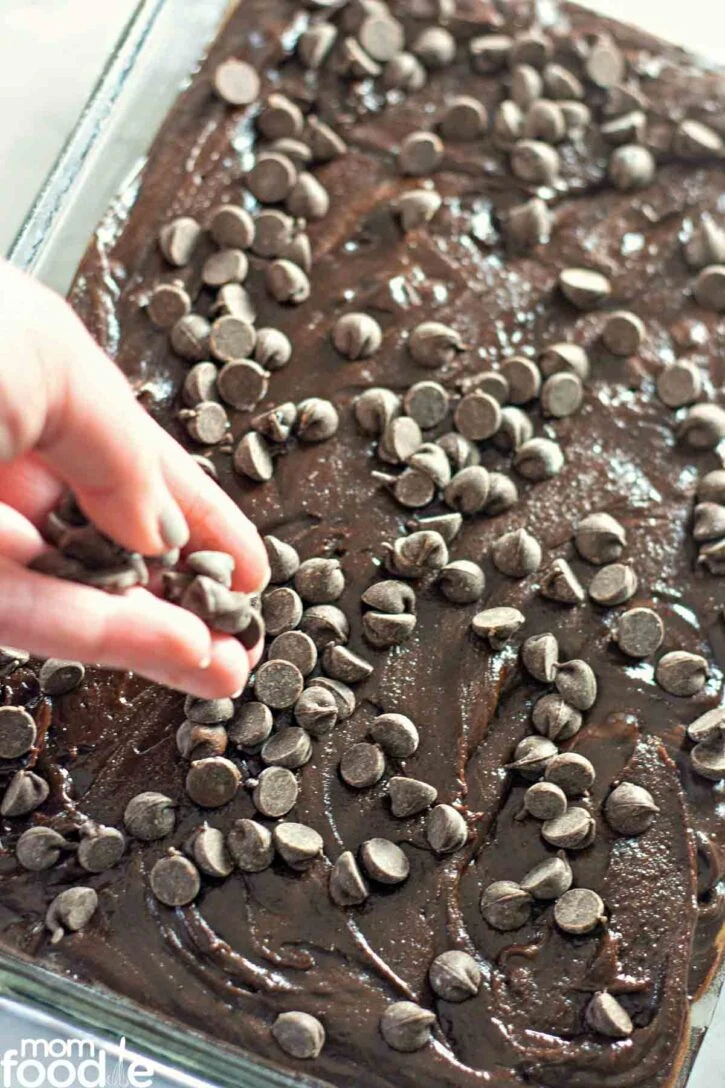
{"x":68,"y":419}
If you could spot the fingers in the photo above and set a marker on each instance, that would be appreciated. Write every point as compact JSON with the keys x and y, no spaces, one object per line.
{"x":19,"y":539}
{"x":214,"y":519}
{"x":29,"y":486}
{"x":135,"y":632}
{"x":69,"y":402}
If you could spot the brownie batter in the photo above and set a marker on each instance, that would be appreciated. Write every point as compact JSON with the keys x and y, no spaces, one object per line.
{"x":254,"y":945}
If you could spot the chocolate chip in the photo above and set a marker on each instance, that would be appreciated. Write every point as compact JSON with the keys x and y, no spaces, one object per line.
{"x":236,"y":82}
{"x":435,"y":46}
{"x":630,"y":809}
{"x":178,"y":240}
{"x":70,"y":911}
{"x":404,"y":72}
{"x":545,"y":801}
{"x":613,"y":584}
{"x":286,"y":282}
{"x":445,"y":829}
{"x":708,"y":726}
{"x":516,"y":553}
{"x":242,"y":384}
{"x":299,"y":1034}
{"x":431,"y":461}
{"x":560,"y":82}
{"x":420,"y":153}
{"x":628,"y":129}
{"x":406,"y":1027}
{"x":357,"y":335}
{"x":308,"y":198}
{"x":273,"y":232}
{"x":382,"y":630}
{"x":317,"y":420}
{"x":149,"y":816}
{"x":639,"y":632}
{"x":220,"y":567}
{"x":539,"y":459}
{"x":711,"y":487}
{"x":272,"y":178}
{"x":253,"y":458}
{"x":290,"y":747}
{"x":531,"y":47}
{"x":409,"y":796}
{"x":535,"y":162}
{"x":362,"y":765}
{"x":579,"y":911}
{"x":465,"y":118}
{"x":282,"y":609}
{"x":278,"y":684}
{"x":283,"y":559}
{"x":526,"y":85}
{"x":577,"y":117}
{"x":297,"y":844}
{"x":396,"y":734}
{"x":560,"y":583}
{"x":468,"y":491}
{"x":209,"y":851}
{"x":681,"y":673}
{"x":325,"y":623}
{"x":605,"y":64}
{"x":502,"y":494}
{"x":420,"y":553}
{"x":399,"y":440}
{"x":462,"y":581}
{"x":221,"y":608}
{"x":226,"y":266}
{"x":175,"y":880}
{"x":549,"y":879}
{"x":553,"y":717}
{"x":490,"y":52}
{"x":708,"y":759}
{"x":631,"y":166}
{"x":516,"y":429}
{"x":417,"y":207}
{"x":508,"y":123}
{"x":342,"y":664}
{"x":584,"y":287}
{"x":355,"y":63}
{"x":251,"y":726}
{"x":347,"y":886}
{"x":623,"y":333}
{"x":412,"y":489}
{"x":212,"y":782}
{"x":390,"y":596}
{"x":433,"y":345}
{"x":231,"y":226}
{"x":25,"y":792}
{"x":477,"y":416}
{"x":454,"y":976}
{"x":708,"y":521}
{"x":39,"y":848}
{"x":506,"y":906}
{"x":276,"y":792}
{"x":58,"y":677}
{"x":320,"y":581}
{"x":576,"y":683}
{"x":279,"y":118}
{"x":200,"y":384}
{"x":605,"y":1015}
{"x":233,"y":299}
{"x":324,"y":142}
{"x":561,"y":395}
{"x":427,"y":403}
{"x":497,"y":625}
{"x":17,"y":732}
{"x":315,"y":43}
{"x":232,"y":339}
{"x":532,"y":756}
{"x":564,"y":358}
{"x":297,"y":647}
{"x":384,"y":861}
{"x":375,"y":408}
{"x":693,"y":139}
{"x":100,"y":848}
{"x":169,"y":302}
{"x":703,"y":427}
{"x":189,"y":337}
{"x":10,"y":658}
{"x":528,"y":225}
{"x":706,"y":244}
{"x":545,"y":121}
{"x":540,"y":655}
{"x":207,"y":423}
{"x":316,"y":710}
{"x":709,"y":288}
{"x":599,"y":538}
{"x":574,"y":830}
{"x":712,"y":556}
{"x":573,"y":773}
{"x":446,"y":525}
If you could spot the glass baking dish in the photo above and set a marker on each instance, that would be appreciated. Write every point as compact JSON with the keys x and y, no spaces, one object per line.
{"x":156,"y":56}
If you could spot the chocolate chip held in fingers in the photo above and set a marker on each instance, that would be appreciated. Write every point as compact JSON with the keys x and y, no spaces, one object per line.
{"x":433,"y":291}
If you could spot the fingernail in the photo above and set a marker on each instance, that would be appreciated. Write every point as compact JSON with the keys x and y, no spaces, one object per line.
{"x":172,"y":526}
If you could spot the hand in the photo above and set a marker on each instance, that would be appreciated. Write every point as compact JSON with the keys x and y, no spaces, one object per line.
{"x":68,"y":418}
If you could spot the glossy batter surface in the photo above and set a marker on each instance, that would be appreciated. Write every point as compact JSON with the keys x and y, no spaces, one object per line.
{"x":254,"y":945}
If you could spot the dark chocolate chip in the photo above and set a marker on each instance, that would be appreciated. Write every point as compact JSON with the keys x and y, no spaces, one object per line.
{"x":631,"y":166}
{"x":573,"y":773}
{"x":576,"y":683}
{"x":316,"y":710}
{"x":560,"y":583}
{"x":347,"y":886}
{"x":506,"y":906}
{"x":455,"y":976}
{"x":579,"y":911}
{"x":212,"y":782}
{"x":178,"y":239}
{"x":409,"y":796}
{"x":342,"y":664}
{"x":17,"y":732}
{"x":287,"y":282}
{"x":420,"y":153}
{"x":283,"y":559}
{"x":169,"y":302}
{"x":613,"y":584}
{"x":362,"y":765}
{"x":584,"y":287}
{"x":681,"y":673}
{"x":289,"y":747}
{"x":70,"y":911}
{"x":149,"y":816}
{"x":538,"y":459}
{"x":605,"y":1015}
{"x":553,"y":717}
{"x":384,"y":861}
{"x":297,"y":844}
{"x":59,"y":677}
{"x":406,"y":1027}
{"x":250,"y":845}
{"x":297,"y":647}
{"x":100,"y":848}
{"x":497,"y":625}
{"x":236,"y":82}
{"x":251,"y":726}
{"x":630,"y":809}
{"x":209,"y":851}
{"x":703,"y":427}
{"x":599,"y":538}
{"x":278,"y":684}
{"x":175,"y":880}
{"x":574,"y":830}
{"x":276,"y":792}
{"x":39,"y":848}
{"x":189,"y":337}
{"x":639,"y":632}
{"x":549,"y":879}
{"x":545,"y":801}
{"x":25,"y":792}
{"x":299,"y":1034}
{"x":434,"y":345}
{"x":446,"y":829}
{"x":317,"y":420}
{"x":540,"y":655}
{"x":516,"y":553}
{"x":319,"y":581}
{"x":469,"y":490}
{"x":462,"y":581}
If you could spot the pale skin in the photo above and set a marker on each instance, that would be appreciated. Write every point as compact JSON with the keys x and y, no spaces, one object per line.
{"x":68,"y":419}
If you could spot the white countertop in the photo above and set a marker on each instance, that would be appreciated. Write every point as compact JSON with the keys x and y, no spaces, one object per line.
{"x":51,"y":54}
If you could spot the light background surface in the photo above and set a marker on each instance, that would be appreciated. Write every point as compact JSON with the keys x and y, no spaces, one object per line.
{"x":51,"y":54}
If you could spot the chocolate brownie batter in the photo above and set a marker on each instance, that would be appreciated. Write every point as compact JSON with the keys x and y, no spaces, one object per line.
{"x":253,"y":945}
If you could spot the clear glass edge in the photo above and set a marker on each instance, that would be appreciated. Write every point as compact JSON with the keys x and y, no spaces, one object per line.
{"x":28,"y":984}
